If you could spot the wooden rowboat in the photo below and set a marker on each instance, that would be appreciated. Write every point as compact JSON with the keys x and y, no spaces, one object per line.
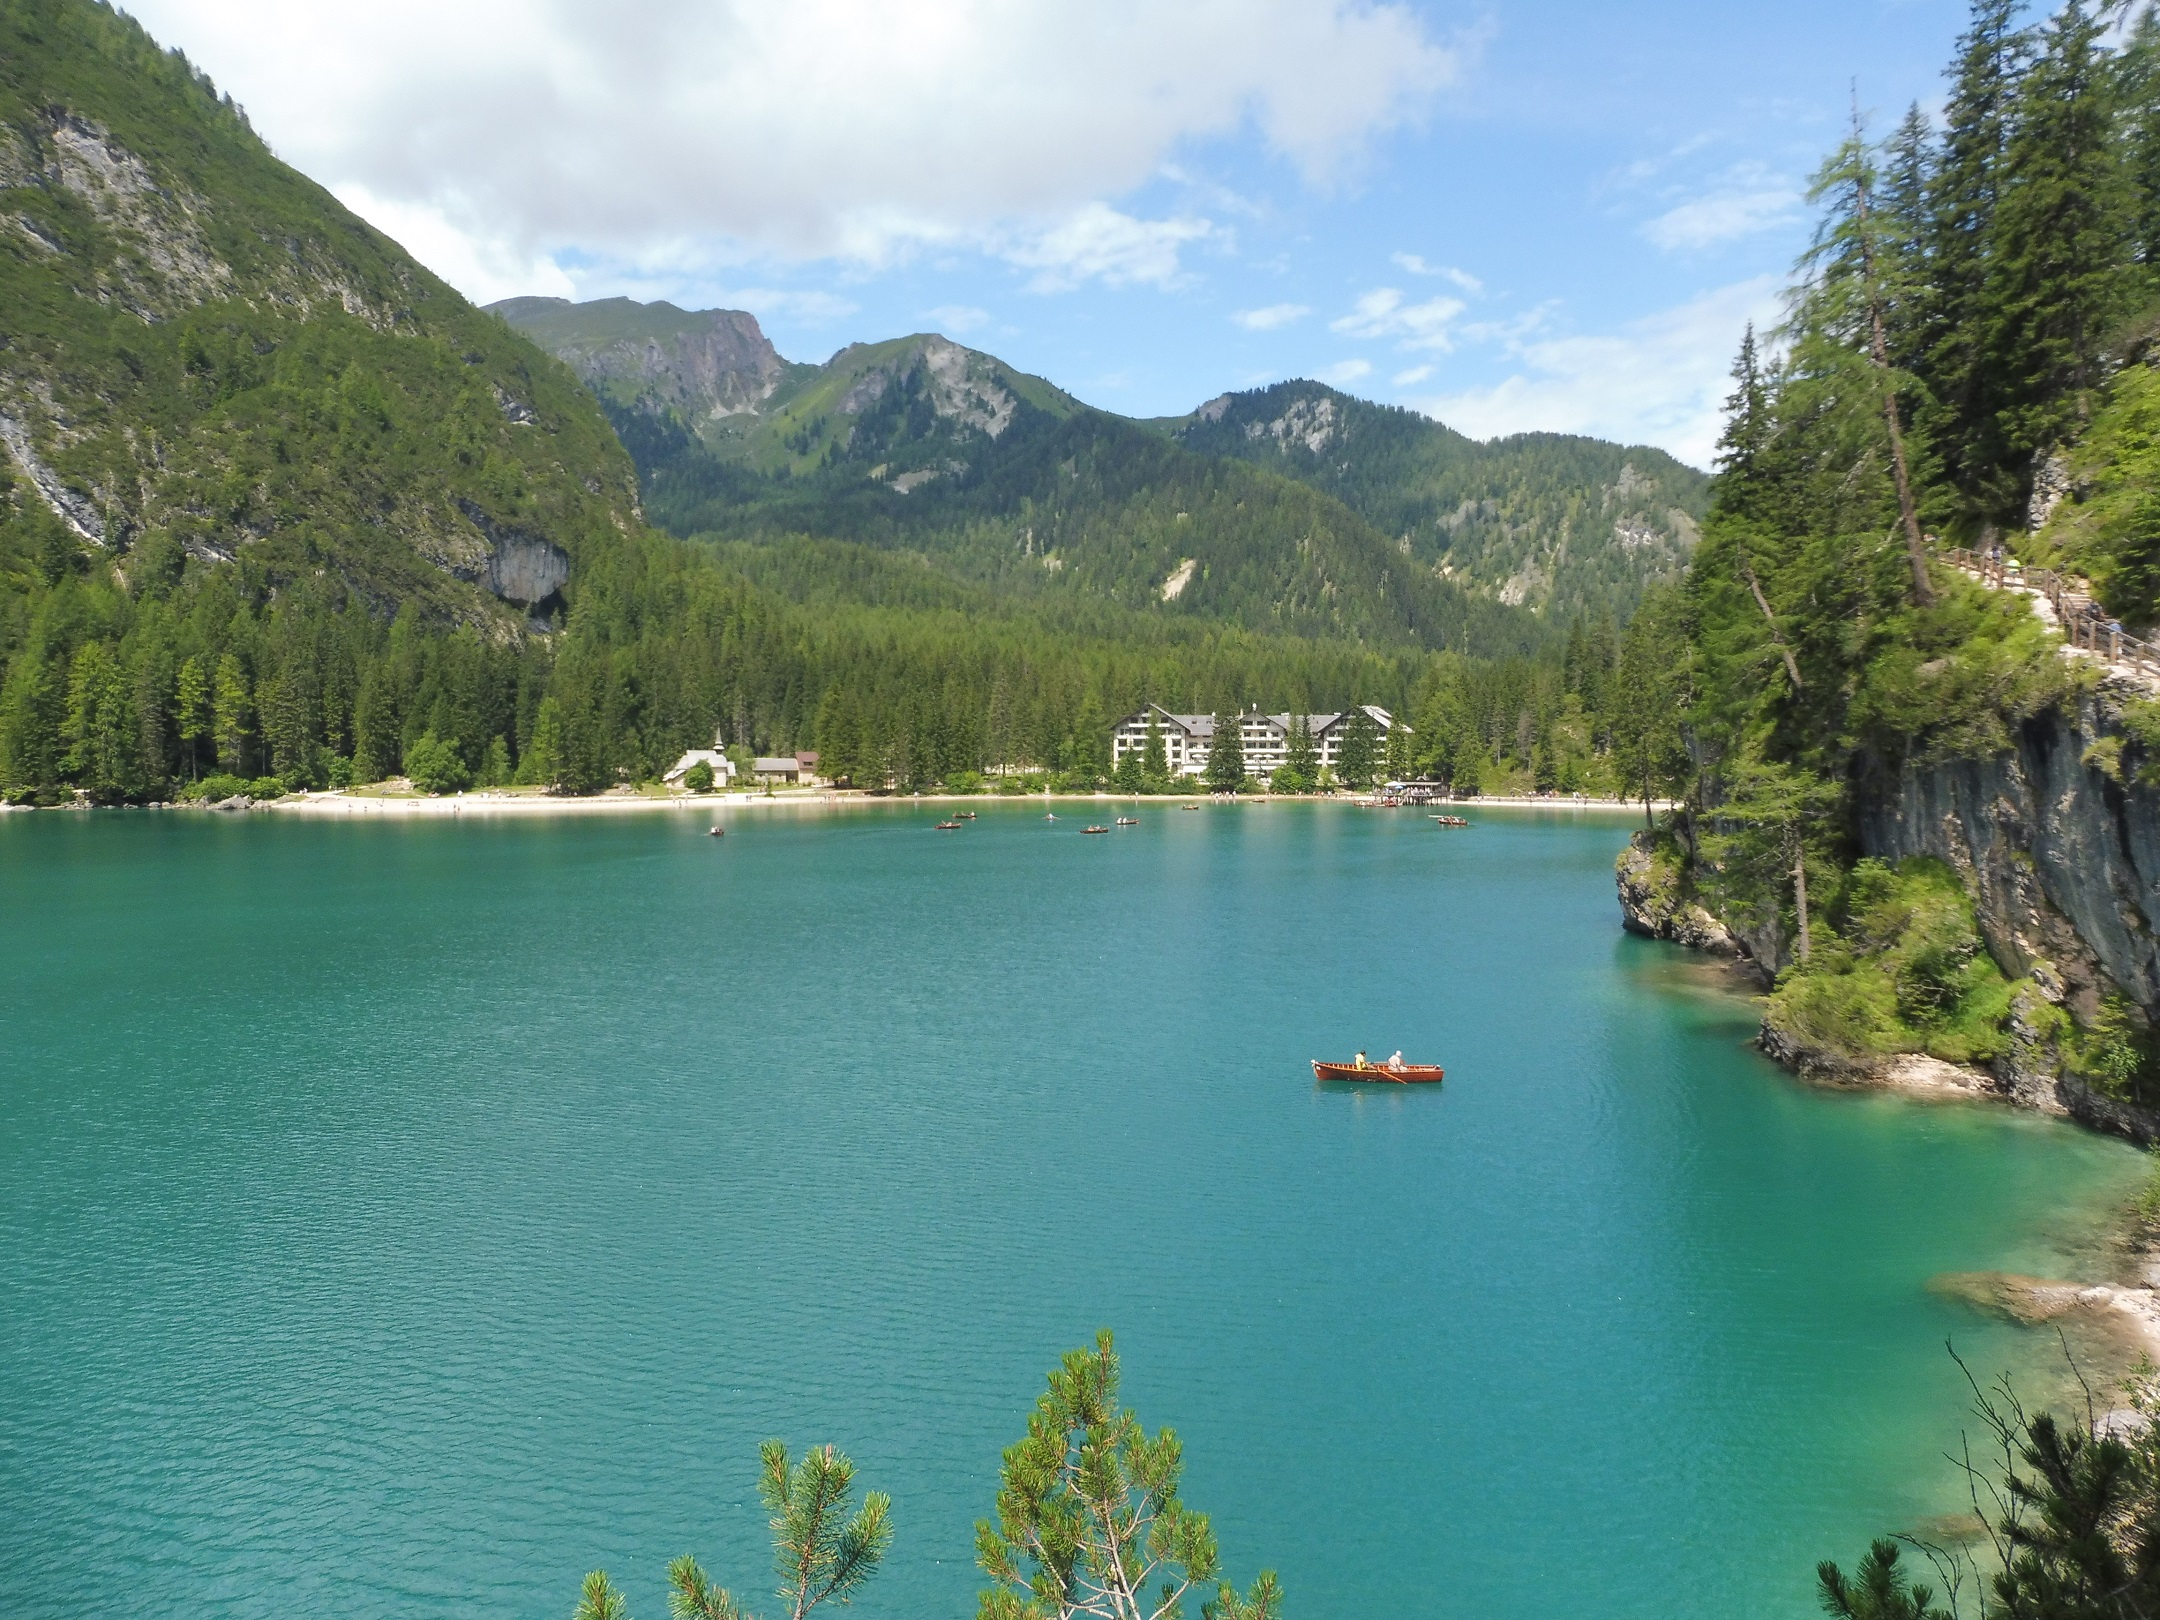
{"x":948,"y":826}
{"x":1402,"y":1074}
{"x":1094,"y":829}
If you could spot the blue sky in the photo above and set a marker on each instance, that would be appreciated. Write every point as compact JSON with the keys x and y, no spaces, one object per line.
{"x":1552,"y":215}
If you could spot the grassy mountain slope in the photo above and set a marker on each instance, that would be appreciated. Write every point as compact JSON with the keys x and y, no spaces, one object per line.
{"x":204,"y":355}
{"x":1004,"y":481}
{"x":1555,"y":522}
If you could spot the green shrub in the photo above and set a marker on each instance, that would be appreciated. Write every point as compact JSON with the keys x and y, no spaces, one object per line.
{"x":699,"y":777}
{"x":966,"y":782}
{"x":1900,"y":969}
{"x":434,"y":765}
{"x":216,"y":789}
{"x":2114,"y":1053}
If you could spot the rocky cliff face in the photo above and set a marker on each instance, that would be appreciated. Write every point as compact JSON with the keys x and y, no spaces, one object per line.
{"x":2059,"y":845}
{"x":704,"y":364}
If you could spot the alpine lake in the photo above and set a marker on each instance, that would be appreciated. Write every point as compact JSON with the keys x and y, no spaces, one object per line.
{"x":403,"y":1217}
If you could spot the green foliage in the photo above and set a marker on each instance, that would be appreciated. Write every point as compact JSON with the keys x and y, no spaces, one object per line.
{"x":600,"y":1599}
{"x":1582,"y":526}
{"x":2115,"y":1053}
{"x":1089,"y":1517}
{"x":1905,"y":971}
{"x":1878,"y":1590}
{"x":2110,"y":528}
{"x":1225,"y":771}
{"x":823,"y":1547}
{"x":693,"y":1597}
{"x":699,"y":777}
{"x":1059,"y":502}
{"x":435,"y":766}
{"x":1357,"y":756}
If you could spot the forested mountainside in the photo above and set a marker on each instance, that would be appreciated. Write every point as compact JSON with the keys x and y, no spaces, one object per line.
{"x":276,"y":504}
{"x":1902,"y":797}
{"x":997,"y":477}
{"x":1011,"y":482}
{"x":1570,"y":526}
{"x":207,"y":356}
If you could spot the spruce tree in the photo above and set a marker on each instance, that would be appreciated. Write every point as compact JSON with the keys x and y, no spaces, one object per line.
{"x":1960,"y":416}
{"x":1358,"y":755}
{"x":1154,"y":758}
{"x":2138,"y":95}
{"x":1301,"y":757}
{"x":192,"y":715}
{"x":2060,"y":241}
{"x":1226,"y":755}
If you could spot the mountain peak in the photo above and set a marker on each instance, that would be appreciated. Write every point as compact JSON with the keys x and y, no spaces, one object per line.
{"x":705,"y":364}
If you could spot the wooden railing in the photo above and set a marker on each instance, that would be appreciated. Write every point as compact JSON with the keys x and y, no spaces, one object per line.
{"x":2085,"y":624}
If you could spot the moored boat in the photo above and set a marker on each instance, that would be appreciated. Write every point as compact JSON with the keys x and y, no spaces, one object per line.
{"x":1387,"y":1074}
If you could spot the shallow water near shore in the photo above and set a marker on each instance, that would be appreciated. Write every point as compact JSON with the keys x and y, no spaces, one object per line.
{"x":402,"y":1219}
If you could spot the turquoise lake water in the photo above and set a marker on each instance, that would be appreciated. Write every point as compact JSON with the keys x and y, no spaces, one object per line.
{"x":400,"y":1220}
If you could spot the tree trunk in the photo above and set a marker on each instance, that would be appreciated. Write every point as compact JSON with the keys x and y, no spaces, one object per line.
{"x":1879,"y":353}
{"x":1799,"y":885}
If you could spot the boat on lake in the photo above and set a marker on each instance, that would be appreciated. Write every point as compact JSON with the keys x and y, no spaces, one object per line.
{"x":1094,"y":829}
{"x":1451,"y":821}
{"x":1128,"y":821}
{"x":1386,"y":1074}
{"x":964,"y":815}
{"x":948,"y":826}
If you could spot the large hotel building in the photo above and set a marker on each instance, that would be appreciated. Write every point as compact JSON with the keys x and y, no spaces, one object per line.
{"x":1189,"y":738}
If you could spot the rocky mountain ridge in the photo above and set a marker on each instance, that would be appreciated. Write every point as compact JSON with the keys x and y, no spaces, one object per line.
{"x":1555,"y":525}
{"x":205,"y":356}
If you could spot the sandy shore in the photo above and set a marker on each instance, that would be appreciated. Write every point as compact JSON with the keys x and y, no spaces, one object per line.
{"x":485,"y":803}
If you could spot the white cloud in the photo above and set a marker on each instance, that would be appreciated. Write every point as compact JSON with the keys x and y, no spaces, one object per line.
{"x":1416,"y":374}
{"x":1382,"y":313}
{"x":1268,"y":319}
{"x":954,"y":319}
{"x":1417,"y":265}
{"x":1749,"y":202}
{"x":1096,"y":242}
{"x":1345,"y":372}
{"x":800,"y":129}
{"x":484,"y":268}
{"x":1660,"y":380}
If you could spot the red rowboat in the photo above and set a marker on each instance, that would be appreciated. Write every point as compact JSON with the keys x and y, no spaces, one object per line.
{"x":1400,"y":1074}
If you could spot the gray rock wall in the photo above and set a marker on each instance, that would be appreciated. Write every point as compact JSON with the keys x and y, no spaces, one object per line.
{"x":2063,"y":860}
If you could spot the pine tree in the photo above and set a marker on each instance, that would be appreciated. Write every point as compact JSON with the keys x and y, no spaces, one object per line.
{"x":193,"y":715}
{"x":1089,"y":1520}
{"x":2138,"y":94}
{"x":1907,"y":175}
{"x":1960,"y":420}
{"x":1843,"y":320}
{"x":100,"y":727}
{"x":1301,"y":757}
{"x":1357,"y":756}
{"x":1226,"y":755}
{"x":232,"y":715}
{"x":1154,"y":758}
{"x":2060,"y":241}
{"x":1398,"y":753}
